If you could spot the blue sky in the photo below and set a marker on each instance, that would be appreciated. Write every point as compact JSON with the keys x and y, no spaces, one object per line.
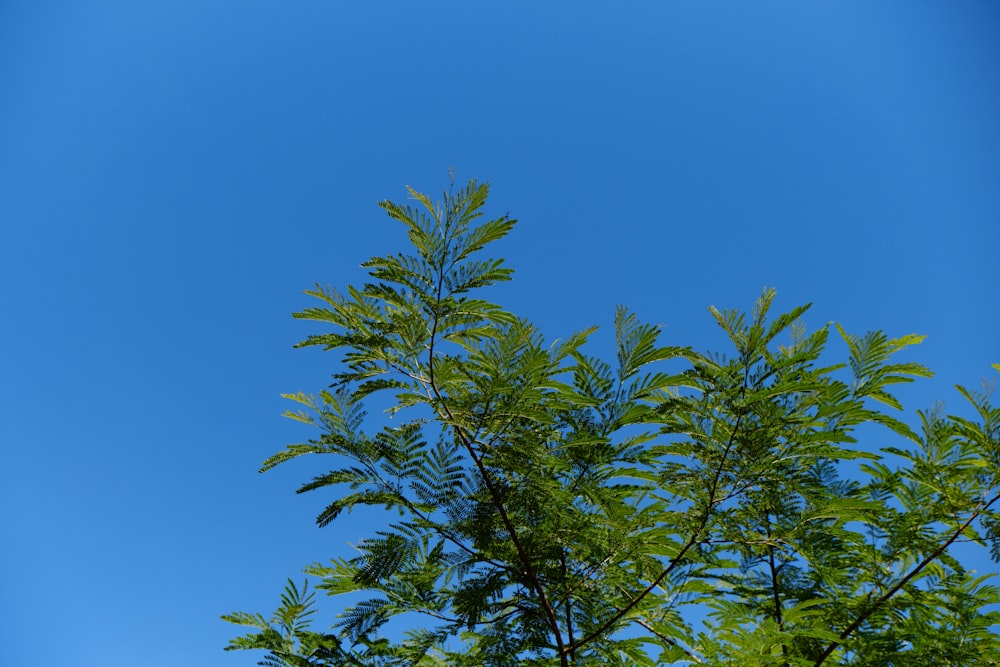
{"x":174,"y":174}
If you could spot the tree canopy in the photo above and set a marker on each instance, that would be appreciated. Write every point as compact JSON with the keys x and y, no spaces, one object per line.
{"x":665,"y":506}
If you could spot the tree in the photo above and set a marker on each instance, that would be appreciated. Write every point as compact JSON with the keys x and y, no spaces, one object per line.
{"x":668,"y":506}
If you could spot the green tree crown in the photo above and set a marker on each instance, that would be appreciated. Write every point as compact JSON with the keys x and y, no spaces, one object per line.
{"x":662,"y":507}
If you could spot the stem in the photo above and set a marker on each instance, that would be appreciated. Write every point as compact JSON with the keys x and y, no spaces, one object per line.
{"x":443,"y":532}
{"x":692,"y":541}
{"x":695,"y":536}
{"x":672,"y":642}
{"x":775,"y":590}
{"x":522,"y":554}
{"x":569,"y":607}
{"x":902,"y":582}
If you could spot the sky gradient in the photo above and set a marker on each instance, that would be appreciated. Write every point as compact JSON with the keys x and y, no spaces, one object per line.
{"x":174,"y":174}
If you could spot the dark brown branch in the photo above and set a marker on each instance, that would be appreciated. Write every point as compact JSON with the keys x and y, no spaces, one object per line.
{"x":902,"y":582}
{"x":775,"y":590}
{"x":676,"y":560}
{"x":695,"y":536}
{"x":522,"y":554}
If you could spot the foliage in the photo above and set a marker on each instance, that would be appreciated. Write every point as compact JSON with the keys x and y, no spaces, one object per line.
{"x":666,"y":506}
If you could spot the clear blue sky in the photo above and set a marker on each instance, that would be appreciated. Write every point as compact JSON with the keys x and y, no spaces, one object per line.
{"x":174,"y":174}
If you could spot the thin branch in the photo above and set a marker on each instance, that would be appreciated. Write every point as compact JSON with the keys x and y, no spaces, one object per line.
{"x":676,"y":560}
{"x":434,"y":525}
{"x":672,"y":642}
{"x":529,"y":570}
{"x":569,"y":604}
{"x":775,"y":590}
{"x":692,"y":541}
{"x":902,"y":582}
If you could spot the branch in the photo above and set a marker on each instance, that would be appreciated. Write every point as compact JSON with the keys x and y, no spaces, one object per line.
{"x":569,"y":603}
{"x":672,"y":642}
{"x":902,"y":582}
{"x":676,"y":560}
{"x":529,"y":570}
{"x":775,"y":590}
{"x":695,"y":536}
